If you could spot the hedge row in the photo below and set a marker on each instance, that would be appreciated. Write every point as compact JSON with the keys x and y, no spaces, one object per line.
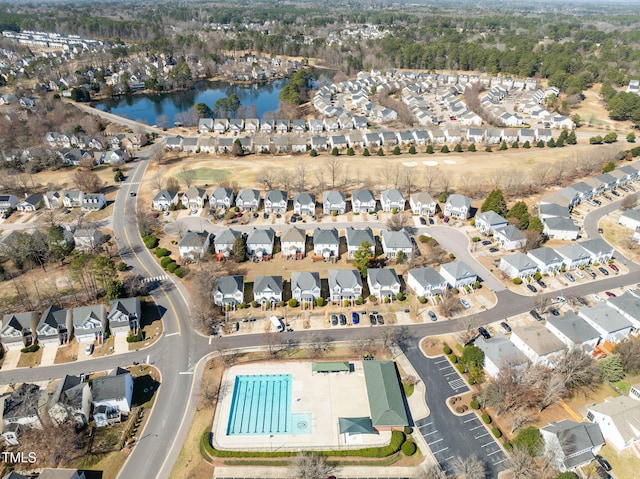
{"x":30,"y":349}
{"x":397,"y":440}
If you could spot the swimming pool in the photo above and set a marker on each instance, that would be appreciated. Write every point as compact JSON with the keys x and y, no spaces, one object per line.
{"x":261,"y":404}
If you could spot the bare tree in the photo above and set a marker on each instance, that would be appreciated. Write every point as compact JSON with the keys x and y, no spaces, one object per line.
{"x":157,"y":182}
{"x":431,"y":471}
{"x":521,"y":464}
{"x":319,"y":344}
{"x":577,"y":369}
{"x":397,"y":222}
{"x":203,"y":311}
{"x":333,"y":166}
{"x":172,"y":184}
{"x":267,"y":177}
{"x":87,"y":181}
{"x":319,"y":174}
{"x":448,"y":304}
{"x":301,"y":171}
{"x":534,"y":240}
{"x":162,"y":121}
{"x":518,"y":418}
{"x":310,"y":466}
{"x":187,"y":177}
{"x":629,"y":202}
{"x":54,"y":446}
{"x":362,"y":344}
{"x":470,"y":467}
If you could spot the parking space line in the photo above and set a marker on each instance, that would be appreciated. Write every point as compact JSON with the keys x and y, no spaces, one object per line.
{"x":482,"y":435}
{"x":477,"y":427}
{"x":499,"y":462}
{"x":449,"y":458}
{"x":437,"y":440}
{"x":425,"y":425}
{"x":442,"y":369}
{"x":437,"y":452}
{"x":487,"y":444}
{"x":450,"y":374}
{"x":494,"y":452}
{"x":469,"y":420}
{"x":440,"y":361}
{"x":427,"y":434}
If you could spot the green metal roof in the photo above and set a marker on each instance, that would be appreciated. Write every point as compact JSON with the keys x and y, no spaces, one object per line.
{"x":355,"y":425}
{"x":385,"y":397}
{"x":330,"y":367}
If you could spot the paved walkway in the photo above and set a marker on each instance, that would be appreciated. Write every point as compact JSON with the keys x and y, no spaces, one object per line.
{"x":48,"y":355}
{"x":288,"y":472}
{"x":120,"y":344}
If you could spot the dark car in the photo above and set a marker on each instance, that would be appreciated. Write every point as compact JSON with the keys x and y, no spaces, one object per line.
{"x":610,"y":294}
{"x":505,"y":326}
{"x":355,"y":318}
{"x":485,"y":334}
{"x":156,"y":215}
{"x":614,"y":267}
{"x":265,"y":215}
{"x":486,"y":243}
{"x":493,"y":250}
{"x":603,"y":271}
{"x":590,"y":272}
{"x":615,"y":193}
{"x":423,"y":221}
{"x":380,"y":319}
{"x":570,"y":277}
{"x":597,"y":202}
{"x":604,"y":195}
{"x":532,"y":288}
{"x":133,"y":193}
{"x":603,"y":462}
{"x":256,"y":215}
{"x":541,"y":283}
{"x":293,"y":219}
{"x":372,"y":319}
{"x":554,"y":311}
{"x":536,"y":315}
{"x":334,"y":320}
{"x":432,"y":316}
{"x":600,"y":231}
{"x":343,"y":320}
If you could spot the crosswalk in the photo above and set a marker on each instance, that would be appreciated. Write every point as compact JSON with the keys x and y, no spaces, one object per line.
{"x":156,"y":279}
{"x":130,"y":183}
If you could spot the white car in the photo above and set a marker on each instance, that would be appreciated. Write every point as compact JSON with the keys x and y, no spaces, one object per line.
{"x":465,"y":304}
{"x":88,"y":350}
{"x":597,"y":298}
{"x":374,"y":216}
{"x":579,"y":274}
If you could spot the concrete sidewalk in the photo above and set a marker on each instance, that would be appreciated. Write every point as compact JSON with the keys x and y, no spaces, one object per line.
{"x":289,"y":472}
{"x":11,"y":360}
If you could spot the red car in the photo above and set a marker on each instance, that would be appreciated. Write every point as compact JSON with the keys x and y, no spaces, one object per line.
{"x":610,"y":294}
{"x":446,"y":219}
{"x":614,"y":267}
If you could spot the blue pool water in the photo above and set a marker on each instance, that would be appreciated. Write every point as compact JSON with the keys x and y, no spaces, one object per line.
{"x":261,"y":404}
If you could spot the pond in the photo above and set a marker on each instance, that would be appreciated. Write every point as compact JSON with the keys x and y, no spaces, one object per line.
{"x":147,"y":107}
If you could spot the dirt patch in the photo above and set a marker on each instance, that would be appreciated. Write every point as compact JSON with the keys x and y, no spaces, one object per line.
{"x":30,"y":360}
{"x":67,"y":353}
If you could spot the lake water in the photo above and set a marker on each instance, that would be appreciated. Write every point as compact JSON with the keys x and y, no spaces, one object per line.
{"x":147,"y":107}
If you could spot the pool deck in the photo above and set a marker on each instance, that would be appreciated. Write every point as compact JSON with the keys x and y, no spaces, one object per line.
{"x":325,"y":396}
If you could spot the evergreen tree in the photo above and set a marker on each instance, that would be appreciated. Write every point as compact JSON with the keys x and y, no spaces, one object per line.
{"x":611,"y":368}
{"x":412,"y":150}
{"x":540,"y":144}
{"x":515,"y":145}
{"x":472,"y":147}
{"x":365,"y":152}
{"x":535,"y":224}
{"x":313,"y":153}
{"x":458,"y":148}
{"x":503,"y":145}
{"x":551,"y":143}
{"x":488,"y":149}
{"x":495,"y":201}
{"x":240,"y":249}
{"x":520,"y":211}
{"x":350,"y":151}
{"x":429,"y":150}
{"x":380,"y":152}
{"x":571,"y":138}
{"x":444,"y":149}
{"x":334,"y":151}
{"x":361,"y":258}
{"x":526,"y":144}
{"x":396,"y":150}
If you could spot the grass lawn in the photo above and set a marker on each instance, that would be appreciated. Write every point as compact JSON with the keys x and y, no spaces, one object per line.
{"x":206,"y":174}
{"x":29,"y":360}
{"x":67,"y":353}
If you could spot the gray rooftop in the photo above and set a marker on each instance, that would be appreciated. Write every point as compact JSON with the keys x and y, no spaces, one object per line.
{"x":166,"y":195}
{"x":539,"y":339}
{"x":397,"y":239}
{"x":305,"y":280}
{"x":427,"y":276}
{"x":573,"y":252}
{"x":326,"y":236}
{"x":596,"y":246}
{"x":221,"y":193}
{"x":491,"y":217}
{"x":294,"y":235}
{"x":261,"y":236}
{"x":227,"y":236}
{"x":633,"y":214}
{"x":248,"y":196}
{"x":333,"y":197}
{"x":383,"y":277}
{"x":459,"y":201}
{"x":606,"y":317}
{"x":552,"y":209}
{"x":364,"y":196}
{"x":228,"y":285}
{"x":345,"y":278}
{"x":500,"y":351}
{"x":194,"y":239}
{"x":626,"y":303}
{"x":577,"y":439}
{"x":22,"y":402}
{"x":545,"y":255}
{"x":560,"y":223}
{"x":573,"y":327}
{"x":304,"y":199}
{"x":393,"y":196}
{"x":108,"y":387}
{"x":276,"y":196}
{"x":624,"y":413}
{"x":520,"y":261}
{"x":267,"y":283}
{"x":458,"y":269}
{"x":356,"y":237}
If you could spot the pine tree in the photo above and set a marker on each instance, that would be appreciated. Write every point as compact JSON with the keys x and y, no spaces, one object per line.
{"x":495,"y":201}
{"x":472,"y":147}
{"x":240,"y":249}
{"x":365,"y":152}
{"x":429,"y":150}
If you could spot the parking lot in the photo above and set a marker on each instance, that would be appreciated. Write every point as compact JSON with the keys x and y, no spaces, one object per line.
{"x":447,"y":434}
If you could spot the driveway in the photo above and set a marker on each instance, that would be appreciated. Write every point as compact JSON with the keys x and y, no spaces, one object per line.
{"x":11,"y":359}
{"x":120,"y":344}
{"x":48,"y":355}
{"x":447,"y":434}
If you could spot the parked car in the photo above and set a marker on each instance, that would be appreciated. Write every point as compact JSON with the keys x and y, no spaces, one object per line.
{"x":559,"y":299}
{"x":355,"y":318}
{"x":610,"y":294}
{"x":614,"y":267}
{"x":235,"y":327}
{"x":536,"y":315}
{"x":334,"y":320}
{"x":133,"y":193}
{"x":570,"y":277}
{"x":465,"y":304}
{"x":485,"y":334}
{"x":89,"y":349}
{"x":372,"y":319}
{"x":432,"y":316}
{"x":265,"y":215}
{"x":623,"y":189}
{"x":380,"y":319}
{"x":446,"y":219}
{"x":596,"y":297}
{"x":166,"y":213}
{"x":603,"y":271}
{"x":532,"y":288}
{"x":541,"y":283}
{"x":374,"y":216}
{"x":423,"y":221}
{"x":486,"y":243}
{"x":505,"y":326}
{"x":631,"y":188}
{"x":493,"y":250}
{"x":156,"y":215}
{"x":606,"y":196}
{"x":590,"y":272}
{"x":579,"y":274}
{"x":597,"y":202}
{"x":343,"y":320}
{"x":603,"y":462}
{"x":554,"y":311}
{"x":615,"y":193}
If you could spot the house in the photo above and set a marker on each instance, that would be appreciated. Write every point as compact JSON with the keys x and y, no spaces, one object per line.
{"x":573,"y":331}
{"x":21,"y":407}
{"x":363,"y":201}
{"x":396,"y":241}
{"x":618,"y":419}
{"x":293,"y":243}
{"x":220,"y":125}
{"x":546,"y":259}
{"x":163,"y":200}
{"x":8,"y":202}
{"x":383,"y":283}
{"x":610,"y":324}
{"x":194,"y":244}
{"x":111,"y":397}
{"x":372,"y":140}
{"x":392,"y":200}
{"x":125,"y":315}
{"x":236,"y":125}
{"x":475,"y":135}
{"x":260,"y":243}
{"x":299,"y":126}
{"x":458,"y":274}
{"x":316,"y":126}
{"x":54,"y":327}
{"x":422,"y":203}
{"x":52,"y":200}
{"x":358,"y":237}
{"x":18,"y":330}
{"x":93,"y":201}
{"x":499,"y":352}
{"x":326,"y":243}
{"x":276,"y":201}
{"x":194,"y":198}
{"x":229,"y":290}
{"x":457,"y":206}
{"x":173,"y":143}
{"x":71,"y":399}
{"x":630,"y":218}
{"x":224,"y":241}
{"x":489,"y":221}
{"x":426,"y":282}
{"x":518,"y":265}
{"x":32,"y":202}
{"x":537,"y":343}
{"x":205,"y":125}
{"x":599,"y":250}
{"x":282,"y":125}
{"x":221,"y":198}
{"x":573,"y":256}
{"x":386,"y":402}
{"x":628,"y":305}
{"x":251,"y":125}
{"x":89,"y":323}
{"x":49,"y":473}
{"x":248,"y":200}
{"x":87,"y":239}
{"x":333,"y":202}
{"x":304,"y":204}
{"x":267,"y":289}
{"x":338,"y":141}
{"x":305,"y":286}
{"x":560,"y":228}
{"x":510,"y":238}
{"x":572,"y":444}
{"x":344,"y":285}
{"x":319,"y":143}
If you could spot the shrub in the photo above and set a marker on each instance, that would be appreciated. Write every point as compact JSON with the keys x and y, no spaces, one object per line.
{"x":486,"y":418}
{"x":407,"y":430}
{"x":424,"y":239}
{"x":453,"y":358}
{"x":475,"y":239}
{"x":517,"y":280}
{"x":526,"y":144}
{"x":160,"y":252}
{"x":150,"y":241}
{"x":30,"y":349}
{"x":360,"y":301}
{"x":400,"y":296}
{"x":171,"y":267}
{"x":409,"y":448}
{"x":458,"y":148}
{"x":135,"y":338}
{"x":488,"y":149}
{"x":515,"y":145}
{"x":365,"y":152}
{"x":422,"y":300}
{"x":386,"y":300}
{"x":472,"y":147}
{"x":254,"y":304}
{"x":350,"y":151}
{"x":313,"y":153}
{"x":320,"y":301}
{"x":282,"y":304}
{"x":496,"y":432}
{"x":412,"y":150}
{"x":346,"y":303}
{"x":503,"y":145}
{"x":444,"y":149}
{"x":429,"y":150}
{"x":334,"y":213}
{"x":122,"y":266}
{"x":180,"y":272}
{"x":293,"y":302}
{"x":165,"y":260}
{"x":446,"y":349}
{"x":507,"y":446}
{"x":334,"y":151}
{"x":380,"y":152}
{"x":474,"y":405}
{"x":460,"y":368}
{"x":537,"y":276}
